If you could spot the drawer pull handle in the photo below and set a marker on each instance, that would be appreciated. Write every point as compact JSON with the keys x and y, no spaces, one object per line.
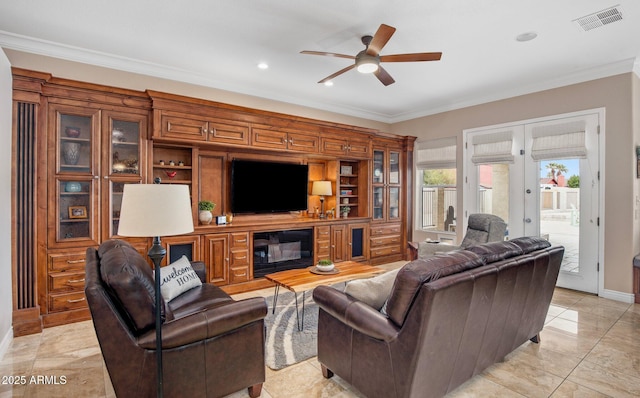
{"x":75,"y":261}
{"x":75,"y":280}
{"x":241,"y":257}
{"x":241,"y":240}
{"x":243,"y":274}
{"x":76,"y":300}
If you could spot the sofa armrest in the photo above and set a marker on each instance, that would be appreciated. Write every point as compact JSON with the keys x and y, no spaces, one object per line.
{"x":207,"y":323}
{"x":200,"y":269}
{"x":355,"y":314}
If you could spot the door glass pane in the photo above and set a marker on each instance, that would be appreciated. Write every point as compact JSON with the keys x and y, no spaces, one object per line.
{"x":75,"y":144}
{"x":378,"y":166}
{"x":394,"y":202}
{"x":394,"y":168}
{"x":560,"y":208}
{"x":493,"y":190}
{"x":378,"y":203}
{"x":125,"y":139}
{"x":74,"y":207}
{"x":116,"y":189}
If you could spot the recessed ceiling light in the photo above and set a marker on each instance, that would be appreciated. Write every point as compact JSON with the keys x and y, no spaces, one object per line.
{"x":527,"y":36}
{"x":263,"y":65}
{"x":328,"y":83}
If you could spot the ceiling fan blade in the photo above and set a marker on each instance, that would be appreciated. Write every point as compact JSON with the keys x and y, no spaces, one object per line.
{"x":338,"y":73}
{"x":328,"y":54}
{"x":384,"y":77}
{"x":411,"y":57}
{"x":381,"y":38}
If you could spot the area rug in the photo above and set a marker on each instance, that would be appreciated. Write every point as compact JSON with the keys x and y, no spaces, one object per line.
{"x":285,"y":344}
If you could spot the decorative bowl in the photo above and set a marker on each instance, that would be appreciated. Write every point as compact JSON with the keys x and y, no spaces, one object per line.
{"x":171,"y":174}
{"x":73,"y":132}
{"x":325,"y":267}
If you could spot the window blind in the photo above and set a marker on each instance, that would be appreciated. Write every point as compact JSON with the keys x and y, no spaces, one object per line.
{"x":559,"y":141}
{"x":436,"y":154}
{"x":493,"y":148}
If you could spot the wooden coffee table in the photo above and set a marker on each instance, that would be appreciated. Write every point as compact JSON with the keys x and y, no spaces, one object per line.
{"x":301,"y":280}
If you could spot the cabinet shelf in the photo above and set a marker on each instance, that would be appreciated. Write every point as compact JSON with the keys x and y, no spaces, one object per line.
{"x":168,"y":181}
{"x":169,"y":167}
{"x":80,"y":140}
{"x":73,"y":220}
{"x":124,"y":144}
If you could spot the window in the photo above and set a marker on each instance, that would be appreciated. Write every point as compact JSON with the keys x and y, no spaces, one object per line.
{"x":436,"y":182}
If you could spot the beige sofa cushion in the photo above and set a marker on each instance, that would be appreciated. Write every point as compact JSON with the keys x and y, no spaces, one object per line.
{"x":372,"y":291}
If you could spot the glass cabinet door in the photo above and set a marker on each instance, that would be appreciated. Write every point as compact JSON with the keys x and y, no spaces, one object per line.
{"x":124,"y":146}
{"x":116,"y":188}
{"x":378,"y":167}
{"x":394,"y":168}
{"x":378,"y":203}
{"x":75,"y":142}
{"x":394,"y":203}
{"x":76,"y":220}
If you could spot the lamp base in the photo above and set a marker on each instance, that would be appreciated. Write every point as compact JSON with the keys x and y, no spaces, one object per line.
{"x":157,"y":253}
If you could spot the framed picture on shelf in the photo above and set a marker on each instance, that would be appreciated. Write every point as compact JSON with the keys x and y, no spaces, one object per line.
{"x":77,"y":212}
{"x":346,"y":170}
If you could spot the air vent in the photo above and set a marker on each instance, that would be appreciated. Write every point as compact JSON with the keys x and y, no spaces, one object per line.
{"x":600,"y":18}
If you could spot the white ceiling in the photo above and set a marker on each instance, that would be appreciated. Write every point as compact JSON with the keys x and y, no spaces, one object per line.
{"x":219,"y":44}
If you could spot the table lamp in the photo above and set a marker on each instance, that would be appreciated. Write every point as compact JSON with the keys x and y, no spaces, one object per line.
{"x":322,"y":189}
{"x":155,"y":210}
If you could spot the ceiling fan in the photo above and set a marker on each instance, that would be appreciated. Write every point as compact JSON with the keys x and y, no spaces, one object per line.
{"x":368,"y":60}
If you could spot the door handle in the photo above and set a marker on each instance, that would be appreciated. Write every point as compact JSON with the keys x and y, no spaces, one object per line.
{"x":527,"y":220}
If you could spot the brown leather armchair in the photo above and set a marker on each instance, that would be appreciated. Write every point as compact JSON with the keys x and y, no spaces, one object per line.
{"x":212,"y":345}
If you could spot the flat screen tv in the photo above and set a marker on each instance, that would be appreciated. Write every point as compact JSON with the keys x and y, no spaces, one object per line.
{"x":268,"y":187}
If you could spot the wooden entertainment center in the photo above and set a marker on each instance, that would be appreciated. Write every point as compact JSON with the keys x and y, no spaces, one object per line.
{"x":76,"y":144}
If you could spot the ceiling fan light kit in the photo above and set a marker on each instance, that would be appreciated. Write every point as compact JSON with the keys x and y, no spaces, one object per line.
{"x":368,"y":60}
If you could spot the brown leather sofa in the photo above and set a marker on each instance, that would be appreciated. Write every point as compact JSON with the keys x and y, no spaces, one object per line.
{"x":448,"y":318}
{"x":212,"y":345}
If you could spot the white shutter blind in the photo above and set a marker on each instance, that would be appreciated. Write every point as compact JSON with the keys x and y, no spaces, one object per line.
{"x":493,"y":148}
{"x":436,"y":154}
{"x":559,"y":141}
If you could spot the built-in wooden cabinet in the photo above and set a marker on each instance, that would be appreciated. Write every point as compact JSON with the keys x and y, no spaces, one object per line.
{"x":283,"y":139}
{"x":185,"y":127}
{"x":89,"y":141}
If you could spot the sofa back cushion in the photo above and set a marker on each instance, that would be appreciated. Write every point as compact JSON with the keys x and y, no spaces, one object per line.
{"x":411,"y":277}
{"x":129,"y":280}
{"x":496,"y":251}
{"x":529,"y":244}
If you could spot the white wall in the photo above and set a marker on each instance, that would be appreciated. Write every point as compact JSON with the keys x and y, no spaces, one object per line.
{"x":6,"y":304}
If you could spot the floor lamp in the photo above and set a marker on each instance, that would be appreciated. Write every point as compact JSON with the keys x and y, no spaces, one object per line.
{"x":322,"y":189}
{"x":155,"y":210}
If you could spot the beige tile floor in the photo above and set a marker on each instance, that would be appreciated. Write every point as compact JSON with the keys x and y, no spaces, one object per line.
{"x":590,"y":348}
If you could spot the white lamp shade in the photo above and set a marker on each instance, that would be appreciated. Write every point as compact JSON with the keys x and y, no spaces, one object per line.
{"x":150,"y":210}
{"x":321,"y":188}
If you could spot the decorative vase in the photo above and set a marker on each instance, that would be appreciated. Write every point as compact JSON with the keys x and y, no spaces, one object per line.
{"x":73,"y":186}
{"x":205,"y":217}
{"x":71,"y":152}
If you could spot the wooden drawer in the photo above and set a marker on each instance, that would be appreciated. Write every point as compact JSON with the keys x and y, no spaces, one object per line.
{"x":239,"y":258}
{"x":67,"y":301}
{"x":240,"y":240}
{"x":238,"y":275}
{"x":386,"y":251}
{"x":66,"y":281}
{"x":323,"y":233}
{"x":67,"y":261}
{"x":386,"y":229}
{"x":388,"y":240}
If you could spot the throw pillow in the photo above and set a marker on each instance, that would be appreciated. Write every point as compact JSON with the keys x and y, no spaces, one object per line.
{"x":178,"y":277}
{"x":373,"y":291}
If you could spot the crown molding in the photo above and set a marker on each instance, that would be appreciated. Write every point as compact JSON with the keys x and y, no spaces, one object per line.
{"x":111,"y":61}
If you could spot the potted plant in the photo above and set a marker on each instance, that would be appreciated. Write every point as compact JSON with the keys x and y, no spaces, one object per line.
{"x":325,"y":265}
{"x":205,"y":207}
{"x":344,"y":210}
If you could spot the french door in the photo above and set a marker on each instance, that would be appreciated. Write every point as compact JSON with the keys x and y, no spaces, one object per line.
{"x":542,"y":178}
